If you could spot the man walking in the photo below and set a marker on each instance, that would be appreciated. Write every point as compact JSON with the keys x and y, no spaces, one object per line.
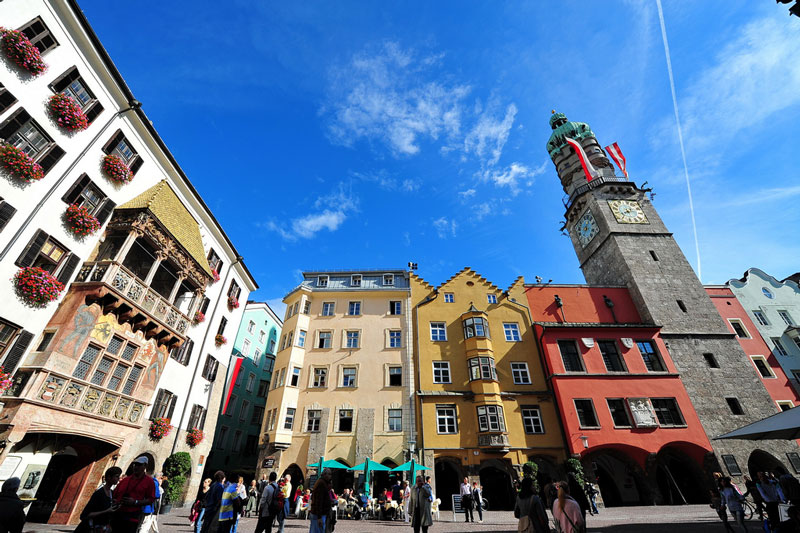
{"x":260,"y":486}
{"x":772,"y":496}
{"x":265,"y":517}
{"x":477,"y":497}
{"x":321,"y":502}
{"x":286,"y":491}
{"x":466,"y":500}
{"x":150,"y":512}
{"x":420,"y":506}
{"x":212,"y":502}
{"x":133,"y":493}
{"x":12,"y":514}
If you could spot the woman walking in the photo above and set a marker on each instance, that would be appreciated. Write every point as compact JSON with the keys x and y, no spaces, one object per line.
{"x":198,"y":511}
{"x":96,"y":516}
{"x":420,"y":506}
{"x":529,"y":510}
{"x":252,"y":499}
{"x":733,"y":501}
{"x":566,"y":511}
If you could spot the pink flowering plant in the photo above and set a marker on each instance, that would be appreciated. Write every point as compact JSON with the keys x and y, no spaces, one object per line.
{"x":5,"y":381}
{"x":20,"y":51}
{"x":233,"y":303}
{"x":219,"y":340}
{"x":215,"y":274}
{"x":80,"y":221}
{"x":67,"y":113}
{"x":194,"y":437}
{"x":198,"y":317}
{"x":116,"y":169}
{"x":36,"y":286}
{"x":19,"y":164}
{"x":159,"y":428}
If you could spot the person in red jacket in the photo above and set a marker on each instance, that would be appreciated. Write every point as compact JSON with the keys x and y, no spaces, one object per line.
{"x":133,"y":493}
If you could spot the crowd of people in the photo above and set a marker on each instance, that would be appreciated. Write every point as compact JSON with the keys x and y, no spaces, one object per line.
{"x":767,"y":494}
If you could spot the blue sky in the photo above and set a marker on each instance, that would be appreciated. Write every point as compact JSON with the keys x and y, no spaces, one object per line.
{"x":328,"y":135}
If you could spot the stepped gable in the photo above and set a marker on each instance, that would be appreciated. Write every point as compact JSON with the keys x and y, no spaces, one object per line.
{"x":413,"y":276}
{"x":472,"y":273}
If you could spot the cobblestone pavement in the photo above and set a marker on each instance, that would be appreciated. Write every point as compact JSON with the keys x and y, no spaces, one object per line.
{"x":683,"y":519}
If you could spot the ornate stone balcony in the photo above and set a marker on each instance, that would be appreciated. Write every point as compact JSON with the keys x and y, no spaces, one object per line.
{"x":496,"y":441}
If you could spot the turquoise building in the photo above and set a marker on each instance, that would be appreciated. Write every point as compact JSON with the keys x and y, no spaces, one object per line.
{"x":235,"y":449}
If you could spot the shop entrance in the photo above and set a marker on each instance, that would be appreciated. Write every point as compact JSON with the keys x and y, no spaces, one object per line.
{"x":448,"y":477}
{"x":498,"y":488}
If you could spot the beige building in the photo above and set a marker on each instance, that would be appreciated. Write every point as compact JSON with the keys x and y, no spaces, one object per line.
{"x":342,"y":384}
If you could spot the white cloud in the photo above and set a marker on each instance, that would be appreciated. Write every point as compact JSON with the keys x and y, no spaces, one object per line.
{"x":513,"y":176}
{"x":445,"y":228}
{"x":469,"y":193}
{"x":481,"y":210}
{"x":410,"y":185}
{"x":489,"y":135}
{"x":331,"y":212}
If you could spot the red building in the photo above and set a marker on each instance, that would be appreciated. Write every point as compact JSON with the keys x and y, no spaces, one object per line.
{"x":764,"y":362}
{"x":624,"y":409}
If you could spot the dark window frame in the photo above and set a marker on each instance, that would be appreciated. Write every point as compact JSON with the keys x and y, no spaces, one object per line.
{"x":652,"y":358}
{"x":668,"y":408}
{"x":92,"y":108}
{"x":583,"y":422}
{"x":6,"y":99}
{"x":617,"y":362}
{"x":627,"y":422}
{"x":48,"y":155}
{"x":578,"y":357}
{"x":134,"y":162}
{"x":40,"y":38}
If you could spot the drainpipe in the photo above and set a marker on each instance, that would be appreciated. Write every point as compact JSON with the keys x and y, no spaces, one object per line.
{"x":421,"y":449}
{"x":239,"y":259}
{"x":134,"y":105}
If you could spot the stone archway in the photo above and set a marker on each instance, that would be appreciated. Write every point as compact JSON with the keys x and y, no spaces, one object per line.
{"x":497,"y":480}
{"x":679,"y":478}
{"x":620,"y":478}
{"x":381,"y":479}
{"x":761,"y":461}
{"x":297,"y":476}
{"x":342,"y":478}
{"x":448,"y":474}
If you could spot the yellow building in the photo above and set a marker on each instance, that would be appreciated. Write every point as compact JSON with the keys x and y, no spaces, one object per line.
{"x":483,"y":405}
{"x":342,"y":385}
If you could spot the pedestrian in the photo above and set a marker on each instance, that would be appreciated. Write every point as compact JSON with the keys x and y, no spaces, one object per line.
{"x":732,"y":499}
{"x":578,"y":494}
{"x":406,"y":497}
{"x":12,"y":514}
{"x":591,"y":493}
{"x":212,"y":503}
{"x":252,"y":499}
{"x":261,"y":485}
{"x":529,"y":510}
{"x":719,"y":507}
{"x":320,"y":502}
{"x":792,"y":525}
{"x":286,"y":491}
{"x":791,"y":488}
{"x":567,"y":512}
{"x":265,"y":515}
{"x":466,"y":500}
{"x":420,"y":506}
{"x":198,"y":511}
{"x":133,"y":493}
{"x":477,"y":497}
{"x":97,"y":513}
{"x":150,"y":511}
{"x":229,"y":508}
{"x":771,"y":494}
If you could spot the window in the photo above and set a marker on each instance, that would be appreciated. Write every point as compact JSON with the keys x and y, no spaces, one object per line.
{"x":251,"y":380}
{"x":785,"y":405}
{"x":395,"y":420}
{"x":223,"y":437}
{"x":6,"y":213}
{"x":355,"y":280}
{"x":490,"y":418}
{"x":786,"y":317}
{"x":86,"y":361}
{"x":306,"y":307}
{"x":289,"y":339}
{"x":119,"y":146}
{"x":294,"y":381}
{"x":222,"y":323}
{"x":711,"y":361}
{"x":667,"y":412}
{"x":133,"y":377}
{"x":231,"y":408}
{"x":263,"y":387}
{"x":395,"y":338}
{"x":288,"y":423}
{"x":281,"y":377}
{"x":797,"y":342}
{"x":246,"y":347}
{"x":352,"y":339}
{"x":779,"y":349}
{"x":314,"y":417}
{"x":73,"y":85}
{"x":301,"y":338}
{"x":39,"y":35}
{"x":271,"y":419}
{"x":761,"y":318}
{"x":511,"y":331}
{"x":47,"y":336}
{"x":181,"y":354}
{"x":322,"y":281}
{"x":681,"y":305}
{"x":117,"y":377}
{"x":324,"y":339}
{"x":251,"y":446}
{"x":441,"y":371}
{"x":348,"y":377}
{"x":256,"y":355}
{"x":482,"y":368}
{"x":491,"y":298}
{"x":45,"y":252}
{"x":476,"y":327}
{"x":237,"y":441}
{"x":345,"y":420}
{"x":586,"y":416}
{"x":327,"y":308}
{"x":449,"y":297}
{"x":519,"y":372}
{"x":354,"y":308}
{"x":570,"y":356}
{"x":438,"y":331}
{"x":210,"y":368}
{"x":283,"y":343}
{"x":6,"y":99}
{"x":251,"y":327}
{"x":296,"y":308}
{"x":22,"y":131}
{"x":532,"y":420}
{"x":234,"y":291}
{"x":446,"y":419}
{"x":395,"y":376}
{"x":395,"y":308}
{"x":164,"y":405}
{"x":84,"y":193}
{"x":652,"y":361}
{"x":214,"y":262}
{"x":654,"y":255}
{"x":619,"y":413}
{"x":762,"y":367}
{"x":244,"y":411}
{"x":388,"y":279}
{"x":198,"y":417}
{"x":102,"y":370}
{"x":320,"y":377}
{"x":271,"y":346}
{"x":611,"y":357}
{"x":258,"y":415}
{"x":261,"y":336}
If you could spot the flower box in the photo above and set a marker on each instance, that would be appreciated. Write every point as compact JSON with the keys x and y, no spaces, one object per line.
{"x":5,"y":381}
{"x":80,"y":221}
{"x":19,"y":164}
{"x":159,"y":428}
{"x":116,"y":169}
{"x":219,"y":340}
{"x":36,"y":286}
{"x":194,"y":437}
{"x":215,"y":274}
{"x":233,"y":303}
{"x":19,"y":50}
{"x":198,"y":317}
{"x":67,"y":113}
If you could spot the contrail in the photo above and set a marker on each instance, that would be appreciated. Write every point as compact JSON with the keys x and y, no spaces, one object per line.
{"x":680,"y":135}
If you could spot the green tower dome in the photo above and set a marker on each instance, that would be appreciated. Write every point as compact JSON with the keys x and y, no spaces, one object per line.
{"x":565,"y":128}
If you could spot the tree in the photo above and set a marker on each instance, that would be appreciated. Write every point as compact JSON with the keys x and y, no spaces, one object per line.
{"x":531,"y":470}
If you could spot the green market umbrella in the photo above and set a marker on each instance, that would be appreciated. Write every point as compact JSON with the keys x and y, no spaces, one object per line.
{"x":412,"y":467}
{"x":368,"y":466}
{"x":330,"y":463}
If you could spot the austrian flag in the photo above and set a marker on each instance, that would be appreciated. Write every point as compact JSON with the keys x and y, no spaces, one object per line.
{"x":616,"y":154}
{"x":588,"y":169}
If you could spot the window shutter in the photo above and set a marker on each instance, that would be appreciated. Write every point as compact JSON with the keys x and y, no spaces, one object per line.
{"x":69,"y":267}
{"x":157,"y":404}
{"x":51,"y":157}
{"x":6,"y":212}
{"x":61,"y":82}
{"x":13,"y":123}
{"x":204,"y":305}
{"x":105,"y":210}
{"x":136,"y":163}
{"x":28,"y":256}
{"x":77,"y":188}
{"x":173,"y":398}
{"x":186,"y":352}
{"x":17,"y":351}
{"x":93,"y":111}
{"x":222,"y":323}
{"x":202,"y":419}
{"x":6,"y":98}
{"x":113,"y":142}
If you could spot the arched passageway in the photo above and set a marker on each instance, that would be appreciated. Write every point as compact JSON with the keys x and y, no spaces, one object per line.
{"x":297,"y":477}
{"x":448,"y":474}
{"x":381,"y":480}
{"x":761,"y":461}
{"x":498,"y":486}
{"x":342,"y":478}
{"x":620,"y":479}
{"x":679,"y":478}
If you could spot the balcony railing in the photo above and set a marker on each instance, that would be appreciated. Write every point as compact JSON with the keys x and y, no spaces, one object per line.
{"x":493,"y":440}
{"x":606,"y":176}
{"x":127,"y":285}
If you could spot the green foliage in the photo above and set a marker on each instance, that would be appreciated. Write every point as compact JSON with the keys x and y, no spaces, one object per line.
{"x":531,"y":470}
{"x":574,"y":465}
{"x":176,"y":467}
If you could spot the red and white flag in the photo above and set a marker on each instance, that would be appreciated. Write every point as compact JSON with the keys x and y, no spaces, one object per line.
{"x":616,"y":154}
{"x":588,"y":169}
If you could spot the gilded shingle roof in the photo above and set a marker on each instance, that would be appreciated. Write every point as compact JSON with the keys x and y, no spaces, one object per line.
{"x":165,"y":205}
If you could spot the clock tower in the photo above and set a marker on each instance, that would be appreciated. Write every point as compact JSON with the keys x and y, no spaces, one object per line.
{"x":621,"y":240}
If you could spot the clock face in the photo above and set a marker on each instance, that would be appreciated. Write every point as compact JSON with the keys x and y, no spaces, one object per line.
{"x":586,"y":228}
{"x":627,"y":212}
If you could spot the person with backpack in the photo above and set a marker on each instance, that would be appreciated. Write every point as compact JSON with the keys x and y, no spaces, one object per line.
{"x":269,"y":506}
{"x":229,"y":508}
{"x":529,"y":510}
{"x":212,"y":502}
